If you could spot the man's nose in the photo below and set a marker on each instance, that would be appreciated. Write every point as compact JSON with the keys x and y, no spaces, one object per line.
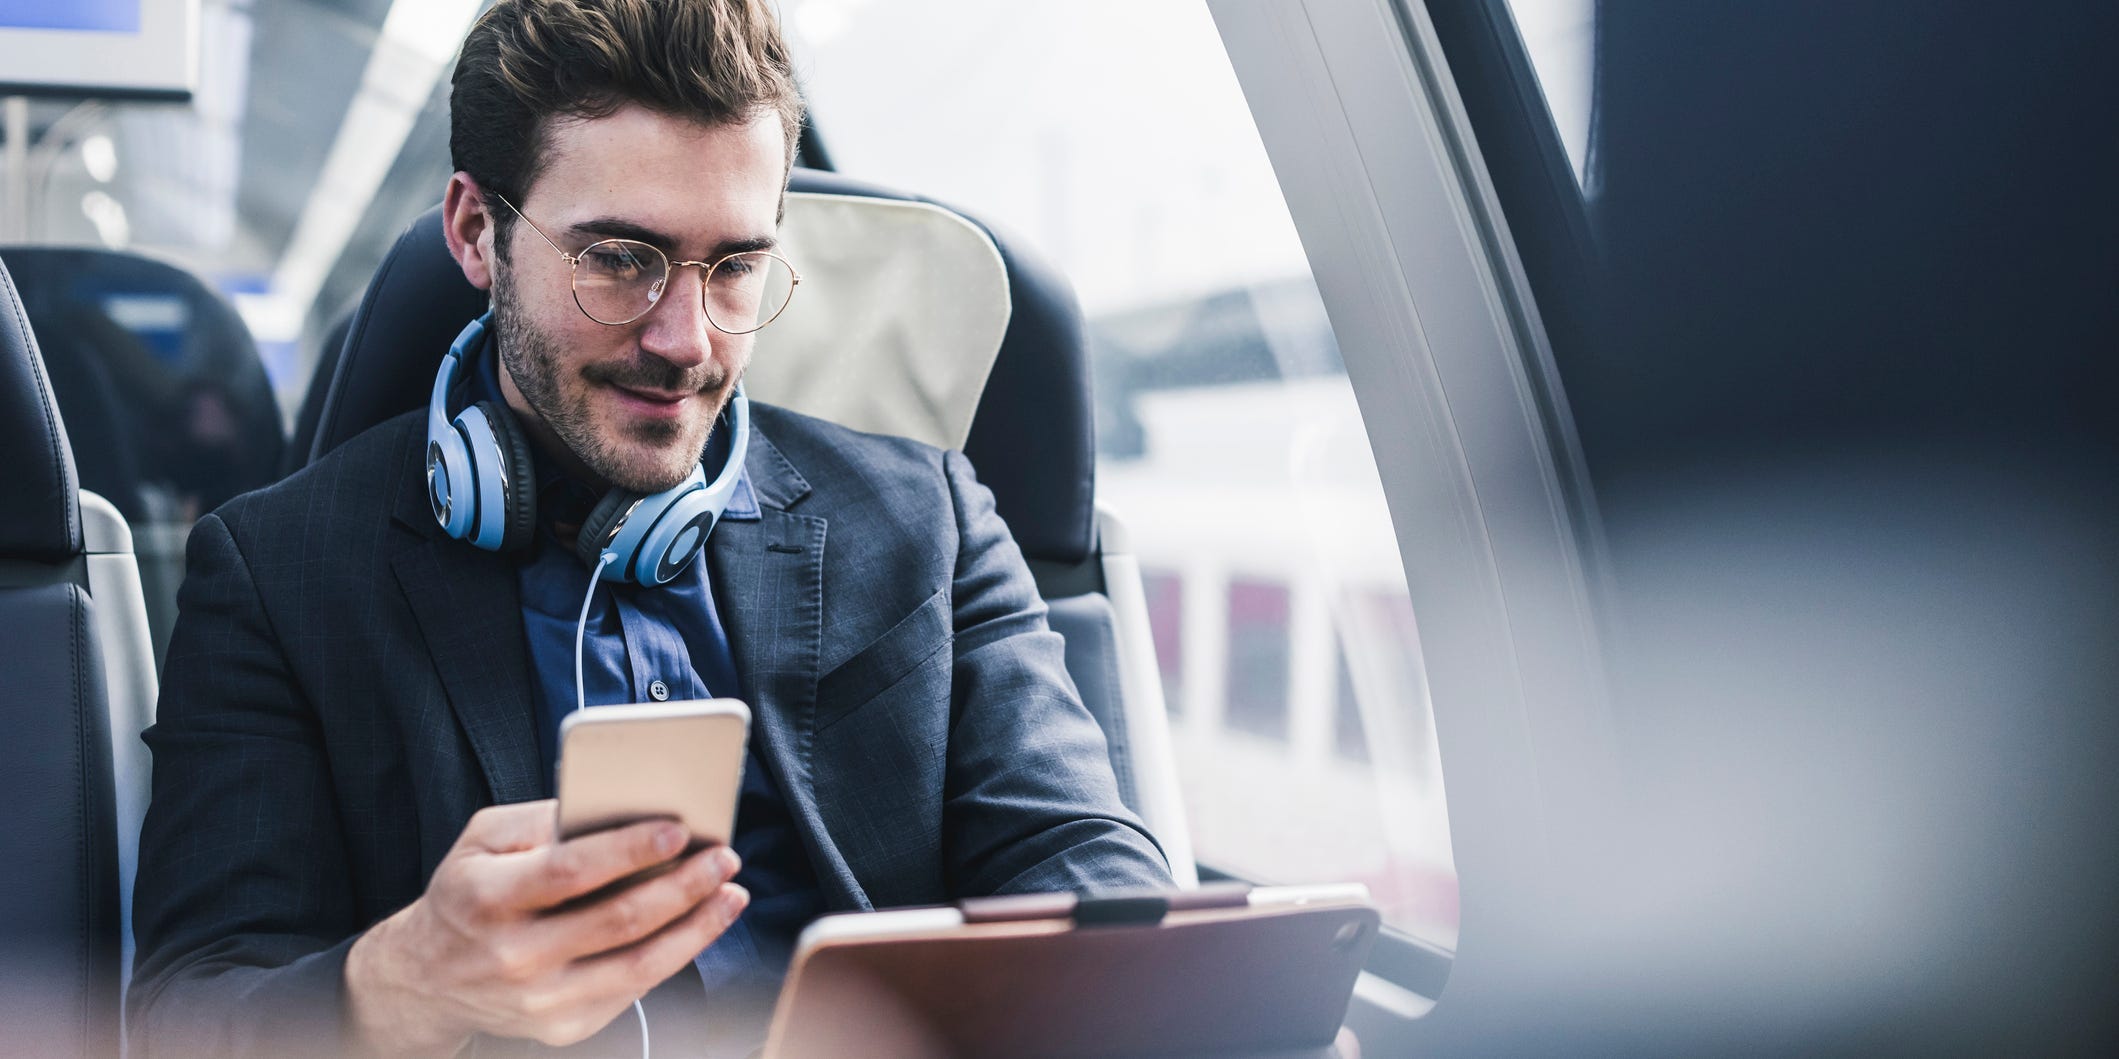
{"x":677,"y":329}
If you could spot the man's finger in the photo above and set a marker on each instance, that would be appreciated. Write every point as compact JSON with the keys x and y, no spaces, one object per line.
{"x":511,"y":828}
{"x":640,"y":910}
{"x":555,"y":874}
{"x":643,"y":965}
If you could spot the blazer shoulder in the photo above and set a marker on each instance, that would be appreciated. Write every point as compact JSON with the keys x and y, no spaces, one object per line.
{"x":821,"y":446}
{"x":354,"y":487}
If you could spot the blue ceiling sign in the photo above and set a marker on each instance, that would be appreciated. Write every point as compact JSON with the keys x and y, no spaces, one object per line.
{"x":114,"y":16}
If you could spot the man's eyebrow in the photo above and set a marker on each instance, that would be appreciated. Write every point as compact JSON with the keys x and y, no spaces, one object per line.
{"x":617,"y":228}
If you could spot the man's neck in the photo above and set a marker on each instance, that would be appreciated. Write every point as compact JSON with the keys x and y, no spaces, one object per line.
{"x":547,"y":441}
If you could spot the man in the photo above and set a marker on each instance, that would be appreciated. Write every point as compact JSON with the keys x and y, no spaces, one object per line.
{"x":347,"y":847}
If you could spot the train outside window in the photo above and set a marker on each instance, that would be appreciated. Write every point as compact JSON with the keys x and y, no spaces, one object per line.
{"x":1230,"y":441}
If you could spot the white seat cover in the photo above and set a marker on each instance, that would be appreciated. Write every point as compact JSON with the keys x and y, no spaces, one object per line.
{"x":896,"y":324}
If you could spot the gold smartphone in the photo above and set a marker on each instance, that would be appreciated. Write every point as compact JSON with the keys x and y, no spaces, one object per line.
{"x":654,"y":760}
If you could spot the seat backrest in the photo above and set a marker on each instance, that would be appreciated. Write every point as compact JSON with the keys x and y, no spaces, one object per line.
{"x":1004,"y":367}
{"x":131,"y":682}
{"x":312,"y":409}
{"x":59,"y":909}
{"x":170,"y":409}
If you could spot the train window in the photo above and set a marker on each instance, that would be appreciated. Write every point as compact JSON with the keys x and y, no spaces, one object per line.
{"x":1559,"y":36}
{"x":1166,"y":615}
{"x":1229,"y":438}
{"x":1259,"y":655}
{"x":1348,"y":737}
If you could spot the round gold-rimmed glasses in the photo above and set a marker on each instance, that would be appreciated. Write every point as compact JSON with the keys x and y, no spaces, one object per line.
{"x":618,"y":281}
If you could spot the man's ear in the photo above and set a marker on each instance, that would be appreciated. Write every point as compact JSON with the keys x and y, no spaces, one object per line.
{"x":469,"y":229}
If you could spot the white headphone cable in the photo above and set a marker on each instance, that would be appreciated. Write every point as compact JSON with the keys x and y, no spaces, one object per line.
{"x":581,"y":627}
{"x":581,"y":700}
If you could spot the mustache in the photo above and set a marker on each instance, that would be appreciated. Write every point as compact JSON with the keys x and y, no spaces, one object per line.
{"x":648,"y":372}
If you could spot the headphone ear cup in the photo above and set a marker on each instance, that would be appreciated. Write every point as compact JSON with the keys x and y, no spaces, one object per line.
{"x":603,"y":518}
{"x":519,"y":491}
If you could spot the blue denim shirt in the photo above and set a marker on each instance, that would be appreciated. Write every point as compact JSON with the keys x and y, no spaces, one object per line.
{"x":637,"y":638}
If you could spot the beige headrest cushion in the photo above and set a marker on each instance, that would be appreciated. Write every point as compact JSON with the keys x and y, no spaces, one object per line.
{"x":896,"y":323}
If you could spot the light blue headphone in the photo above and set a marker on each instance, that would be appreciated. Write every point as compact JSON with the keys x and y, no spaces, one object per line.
{"x":483,"y":488}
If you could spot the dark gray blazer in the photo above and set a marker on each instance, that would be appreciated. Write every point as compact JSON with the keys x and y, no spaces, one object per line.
{"x":346,"y":686}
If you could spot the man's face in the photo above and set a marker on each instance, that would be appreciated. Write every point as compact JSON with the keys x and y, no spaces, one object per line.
{"x":633,"y":402}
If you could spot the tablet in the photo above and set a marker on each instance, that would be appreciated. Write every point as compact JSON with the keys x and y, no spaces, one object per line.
{"x":1219,"y":970}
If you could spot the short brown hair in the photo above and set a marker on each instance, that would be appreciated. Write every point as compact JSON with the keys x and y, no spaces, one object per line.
{"x":526,"y":62}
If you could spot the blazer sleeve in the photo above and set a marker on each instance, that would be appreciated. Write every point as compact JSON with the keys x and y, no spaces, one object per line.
{"x":243,"y":910}
{"x":1030,"y":801}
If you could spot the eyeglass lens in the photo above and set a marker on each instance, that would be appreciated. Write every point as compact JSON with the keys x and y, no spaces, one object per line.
{"x":618,"y":280}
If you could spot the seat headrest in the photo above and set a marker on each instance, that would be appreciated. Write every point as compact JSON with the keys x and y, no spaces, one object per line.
{"x":414,"y":307}
{"x":1033,"y":440}
{"x":170,"y":409}
{"x":40,"y":512}
{"x":898,"y":321}
{"x":1031,"y":435}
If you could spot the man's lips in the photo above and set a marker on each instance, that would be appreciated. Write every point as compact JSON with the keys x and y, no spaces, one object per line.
{"x":658,"y":403}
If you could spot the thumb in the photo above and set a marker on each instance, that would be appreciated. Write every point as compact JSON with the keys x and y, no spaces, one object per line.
{"x":511,"y":828}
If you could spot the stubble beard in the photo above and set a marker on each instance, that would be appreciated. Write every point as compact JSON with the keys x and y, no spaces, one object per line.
{"x":661,"y":453}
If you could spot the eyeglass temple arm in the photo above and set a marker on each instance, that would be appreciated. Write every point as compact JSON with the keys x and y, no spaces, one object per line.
{"x":533,"y":227}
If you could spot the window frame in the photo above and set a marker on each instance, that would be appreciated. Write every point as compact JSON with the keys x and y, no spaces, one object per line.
{"x":1375,"y":154}
{"x":1526,"y":162}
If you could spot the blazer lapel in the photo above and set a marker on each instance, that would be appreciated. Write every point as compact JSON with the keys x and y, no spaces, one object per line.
{"x":770,"y":575}
{"x":469,"y":611}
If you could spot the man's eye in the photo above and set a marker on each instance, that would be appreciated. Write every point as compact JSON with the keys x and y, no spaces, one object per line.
{"x":612,"y":263}
{"x":736,"y":268}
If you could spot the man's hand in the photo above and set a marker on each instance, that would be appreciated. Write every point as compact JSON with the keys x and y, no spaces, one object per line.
{"x":488,"y":948}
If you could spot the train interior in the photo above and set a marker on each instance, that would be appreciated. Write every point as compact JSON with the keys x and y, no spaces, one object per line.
{"x":1629,"y":484}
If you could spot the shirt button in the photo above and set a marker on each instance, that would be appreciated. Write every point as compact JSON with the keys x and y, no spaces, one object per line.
{"x":658,"y":691}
